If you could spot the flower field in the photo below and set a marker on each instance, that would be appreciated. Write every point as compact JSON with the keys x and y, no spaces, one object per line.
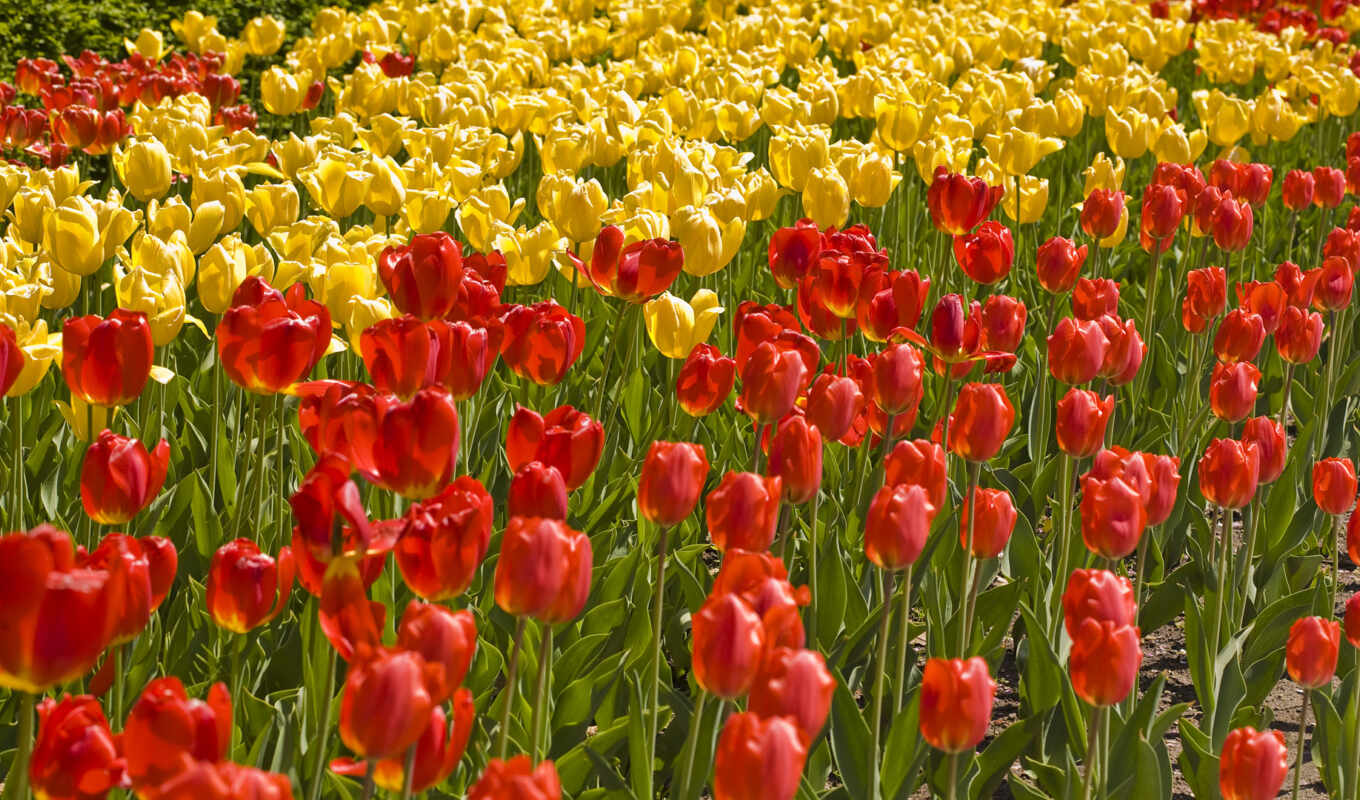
{"x":650,"y":399}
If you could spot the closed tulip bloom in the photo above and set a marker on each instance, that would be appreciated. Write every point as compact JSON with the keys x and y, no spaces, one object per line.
{"x":728,"y":645}
{"x":994,"y":524}
{"x":1352,"y":620}
{"x":1163,"y":208}
{"x":958,"y":203}
{"x":1232,"y":390}
{"x":422,"y":277}
{"x":1267,"y":299}
{"x":407,"y":447}
{"x":1165,"y":475}
{"x":1104,"y":661}
{"x":1334,"y":485}
{"x":1076,"y":350}
{"x":247,"y":588}
{"x":987,"y":255}
{"x":770,"y":382}
{"x":1080,"y":422}
{"x":145,"y":568}
{"x":1299,"y":336}
{"x":75,"y":755}
{"x":1231,"y":224}
{"x":447,"y":639}
{"x":1333,"y":284}
{"x":705,"y":380}
{"x":1206,"y":295}
{"x":1229,"y":472}
{"x":444,"y":539}
{"x":635,"y":272}
{"x":672,"y":479}
{"x":1271,"y":445}
{"x":1058,"y":263}
{"x":542,"y":342}
{"x":12,"y":359}
{"x":1003,"y":323}
{"x":981,"y":421}
{"x":1297,"y":189}
{"x":675,"y":326}
{"x":955,"y":333}
{"x":1253,"y":765}
{"x":956,"y":703}
{"x":762,"y":580}
{"x":537,"y":490}
{"x":1297,"y":288}
{"x":1239,"y":337}
{"x":1329,"y":187}
{"x":166,"y":727}
{"x":266,"y":341}
{"x":897,"y":386}
{"x":743,"y":510}
{"x":326,"y":490}
{"x":385,"y":705}
{"x":793,"y":251}
{"x":921,"y":463}
{"x":1343,"y":243}
{"x":144,"y":168}
{"x":896,"y":526}
{"x":795,"y":452}
{"x":758,"y":758}
{"x":1311,"y":652}
{"x":106,"y":361}
{"x":119,"y":477}
{"x":563,"y":438}
{"x":1102,"y":213}
{"x":897,"y":305}
{"x":465,"y":353}
{"x":755,"y":324}
{"x":833,"y":403}
{"x":517,"y":778}
{"x":796,"y":684}
{"x":400,"y":354}
{"x":1100,"y":595}
{"x":1113,"y":516}
{"x":544,"y":570}
{"x":438,"y":750}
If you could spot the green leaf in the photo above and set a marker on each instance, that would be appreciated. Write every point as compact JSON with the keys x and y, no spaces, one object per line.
{"x":1043,"y":678}
{"x":850,"y":742}
{"x":994,"y":762}
{"x":904,"y":742}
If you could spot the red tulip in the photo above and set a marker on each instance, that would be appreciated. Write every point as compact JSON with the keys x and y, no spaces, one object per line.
{"x":956,"y":703}
{"x":422,"y":277}
{"x":758,"y":758}
{"x":1185,"y":177}
{"x":796,"y":684}
{"x":119,"y":477}
{"x":401,"y":354}
{"x":1271,"y":446}
{"x":1334,"y":485}
{"x":1231,"y":224}
{"x":466,"y":352}
{"x":1163,"y":208}
{"x":326,"y":490}
{"x":1329,"y":187}
{"x":444,"y":540}
{"x":1094,"y":298}
{"x":1297,"y":287}
{"x":770,"y":382}
{"x":1003,"y":323}
{"x":897,"y":386}
{"x":1113,"y":516}
{"x":544,"y":570}
{"x":106,"y":361}
{"x":705,"y":380}
{"x":1311,"y":653}
{"x":564,"y":438}
{"x":517,"y":779}
{"x":166,"y":729}
{"x":898,"y":304}
{"x":537,"y":490}
{"x":1239,"y":337}
{"x":1124,"y":351}
{"x":1164,"y":472}
{"x":1297,"y":189}
{"x":438,"y":751}
{"x":833,"y":403}
{"x":763,"y":582}
{"x":793,"y":251}
{"x":1232,"y":390}
{"x":754,"y":324}
{"x":1254,"y":183}
{"x":542,"y":341}
{"x":1076,"y":350}
{"x":981,"y":421}
{"x":75,"y":756}
{"x":147,"y":569}
{"x":1352,"y":620}
{"x":636,"y":272}
{"x":1253,"y":765}
{"x":987,"y":255}
{"x":1265,"y":298}
{"x":840,"y":278}
{"x":446,"y":639}
{"x":1059,"y":263}
{"x":1080,"y":422}
{"x":796,"y":459}
{"x":1100,"y":595}
{"x":386,"y":704}
{"x":728,"y":645}
{"x":267,"y":341}
{"x":958,"y":203}
{"x":1229,"y":472}
{"x":11,"y":358}
{"x":407,"y":447}
{"x":1206,"y":295}
{"x":1104,"y":661}
{"x":994,"y":524}
{"x":672,"y":479}
{"x":1333,"y":284}
{"x":246,"y":587}
{"x":351,"y":622}
{"x":1102,"y":212}
{"x":896,"y":526}
{"x":1343,"y":243}
{"x":743,"y":510}
{"x":920,"y":463}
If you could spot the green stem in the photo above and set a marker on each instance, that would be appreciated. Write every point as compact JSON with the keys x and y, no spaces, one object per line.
{"x":277,"y":504}
{"x":1064,"y":546}
{"x":1288,"y":387}
{"x":812,"y":556}
{"x":19,"y":769}
{"x":973,"y":566}
{"x":238,"y":647}
{"x":324,"y":724}
{"x":540,"y":691}
{"x":1335,"y":547}
{"x":1140,"y":573}
{"x":1244,"y":578}
{"x":368,"y":780}
{"x":409,"y":772}
{"x":1298,"y":744}
{"x":654,"y":701}
{"x":755,"y":456}
{"x":877,"y":719}
{"x":1092,"y":737}
{"x":1222,"y":552}
{"x":120,"y":653}
{"x":682,"y":789}
{"x":503,"y":735}
{"x":953,"y":776}
{"x":216,"y":414}
{"x":903,"y":642}
{"x":1355,"y":746}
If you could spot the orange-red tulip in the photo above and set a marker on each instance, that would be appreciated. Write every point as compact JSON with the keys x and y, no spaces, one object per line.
{"x":1104,"y":661}
{"x":247,"y":588}
{"x":958,"y":203}
{"x":76,"y":757}
{"x":758,"y":758}
{"x":444,"y":540}
{"x":1100,"y":595}
{"x":1003,"y":323}
{"x":1267,"y":299}
{"x":987,"y":255}
{"x":408,"y":447}
{"x":537,"y":490}
{"x":635,"y":272}
{"x":956,"y":703}
{"x":1329,"y":187}
{"x":519,"y":779}
{"x":920,"y":462}
{"x":754,"y":324}
{"x":1163,"y":207}
{"x":1231,"y":224}
{"x":981,"y":421}
{"x":897,"y":524}
{"x":119,"y":477}
{"x":1093,"y":298}
{"x":1334,"y":485}
{"x":897,"y":303}
{"x":994,"y":524}
{"x":1333,"y":284}
{"x":897,"y":386}
{"x":1229,"y":472}
{"x":325,"y":492}
{"x":1271,"y":445}
{"x":11,"y":358}
{"x":466,"y":352}
{"x":770,"y":382}
{"x":1253,"y":765}
{"x":401,"y":354}
{"x":794,"y":683}
{"x":1239,"y":337}
{"x":743,"y":510}
{"x":672,"y":479}
{"x":1081,"y":420}
{"x":106,"y":361}
{"x":386,"y":704}
{"x":763,"y":582}
{"x":1076,"y":350}
{"x":1206,"y":295}
{"x":542,"y":341}
{"x":166,"y":728}
{"x":728,"y":645}
{"x":1352,"y":619}
{"x":267,"y":341}
{"x":1058,"y":263}
{"x":1297,"y":189}
{"x":1232,"y":390}
{"x":833,"y":403}
{"x":1113,"y":516}
{"x":1299,"y":336}
{"x":563,"y":438}
{"x":705,"y":380}
{"x":1165,"y":475}
{"x":444,"y":638}
{"x":793,"y":251}
{"x":422,"y":277}
{"x":438,"y":751}
{"x":796,"y":458}
{"x":1311,"y":652}
{"x":1102,"y":212}
{"x":544,"y":570}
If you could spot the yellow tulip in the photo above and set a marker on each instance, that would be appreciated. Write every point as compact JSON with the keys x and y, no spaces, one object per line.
{"x":529,"y":252}
{"x":826,"y":198}
{"x":263,"y":35}
{"x":193,"y":28}
{"x":20,"y":293}
{"x":577,"y":207}
{"x":480,"y":215}
{"x":384,"y":133}
{"x":386,"y":192}
{"x":294,"y":154}
{"x":71,"y":236}
{"x":11,"y":179}
{"x":360,"y":313}
{"x":226,"y":264}
{"x":84,"y":420}
{"x":336,"y":284}
{"x":149,"y":44}
{"x":1226,"y":119}
{"x":27,"y":211}
{"x":160,"y":297}
{"x":336,"y":186}
{"x":1028,"y":194}
{"x":940,"y":151}
{"x":898,"y":122}
{"x":282,"y":92}
{"x":708,"y":244}
{"x":59,"y":287}
{"x":144,"y":168}
{"x":872,"y":178}
{"x":794,"y":154}
{"x":167,"y":257}
{"x":675,"y":326}
{"x":223,"y":186}
{"x":1127,"y":132}
{"x":40,"y":349}
{"x":1173,"y":145}
{"x":272,"y":205}
{"x":426,"y":211}
{"x":1103,"y":174}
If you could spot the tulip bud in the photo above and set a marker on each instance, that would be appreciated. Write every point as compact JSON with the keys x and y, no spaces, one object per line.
{"x":728,"y":645}
{"x":956,"y":703}
{"x":1003,"y":324}
{"x":1311,"y":652}
{"x":1080,"y":422}
{"x":166,"y":728}
{"x":1269,"y":438}
{"x":544,"y":570}
{"x":1229,"y":472}
{"x":106,"y":361}
{"x":1297,"y":190}
{"x":672,"y":478}
{"x":119,"y":478}
{"x":1076,"y":350}
{"x":795,"y":684}
{"x":1059,"y":263}
{"x":1333,"y":284}
{"x":75,"y":755}
{"x":1253,"y":765}
{"x":987,"y":255}
{"x":758,"y":758}
{"x":246,"y":587}
{"x":386,"y":704}
{"x":444,"y":538}
{"x":793,"y":251}
{"x":1329,"y":187}
{"x":537,"y":490}
{"x":423,"y":276}
{"x":958,"y":203}
{"x":833,"y":404}
{"x":1100,"y":595}
{"x":920,"y":463}
{"x":542,"y":342}
{"x":743,"y":510}
{"x":1232,"y":390}
{"x":1239,"y":337}
{"x":896,"y":526}
{"x":981,"y":421}
{"x":1104,"y":661}
{"x":1102,"y":213}
{"x":518,"y":778}
{"x":1334,"y":485}
{"x":897,"y":386}
{"x":992,"y":528}
{"x":1352,"y":621}
{"x":770,"y":382}
{"x":564,"y":438}
{"x":447,"y":639}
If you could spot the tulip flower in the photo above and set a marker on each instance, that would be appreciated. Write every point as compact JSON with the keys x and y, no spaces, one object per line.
{"x":676,"y":327}
{"x":920,"y":463}
{"x":326,"y":490}
{"x":543,"y":571}
{"x":442,"y":637}
{"x":1310,"y":657}
{"x":1271,"y":446}
{"x":1352,"y":619}
{"x":437,"y":752}
{"x":1100,"y":595}
{"x":1102,"y":213}
{"x":1239,"y":337}
{"x":407,"y":447}
{"x":464,"y":355}
{"x":705,"y":380}
{"x":1267,"y":299}
{"x":763,"y":582}
{"x":119,"y":477}
{"x":1253,"y":765}
{"x":956,"y":703}
{"x":1076,"y":350}
{"x":958,"y":203}
{"x":537,"y":490}
{"x":1229,"y":472}
{"x":743,"y":510}
{"x":1329,"y":187}
{"x":897,"y":386}
{"x":758,"y":758}
{"x":444,"y":538}
{"x":981,"y":421}
{"x":755,"y":324}
{"x":75,"y":756}
{"x":1094,"y":298}
{"x":247,"y":588}
{"x":1334,"y":485}
{"x":400,"y":354}
{"x":897,"y":524}
{"x":1104,"y":661}
{"x":1058,"y":263}
{"x":1231,"y":224}
{"x":635,"y":272}
{"x":564,"y":438}
{"x":267,"y":342}
{"x":1297,"y":190}
{"x":386,"y":704}
{"x":985,"y":256}
{"x":518,"y":778}
{"x":106,"y":361}
{"x":1003,"y":324}
{"x":992,"y":528}
{"x":795,"y":456}
{"x":793,"y":251}
{"x":898,"y":304}
{"x":1333,"y":284}
{"x":672,"y":479}
{"x":1205,"y":297}
{"x":1232,"y":390}
{"x":1080,"y":422}
{"x":770,"y":381}
{"x":166,"y":728}
{"x":794,"y":683}
{"x":542,"y":342}
{"x":833,"y":403}
{"x":12,"y":359}
{"x":728,"y":645}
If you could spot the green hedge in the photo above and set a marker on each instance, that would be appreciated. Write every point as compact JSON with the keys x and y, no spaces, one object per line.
{"x":54,"y":27}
